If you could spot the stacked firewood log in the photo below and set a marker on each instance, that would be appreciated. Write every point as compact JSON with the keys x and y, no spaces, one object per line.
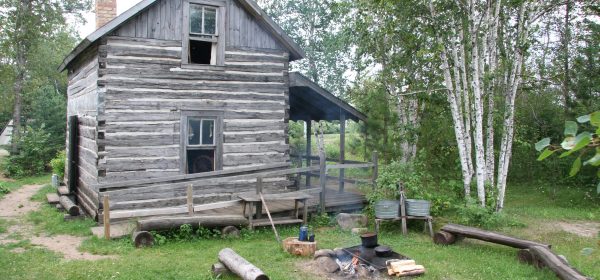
{"x":404,"y":268}
{"x":63,"y":200}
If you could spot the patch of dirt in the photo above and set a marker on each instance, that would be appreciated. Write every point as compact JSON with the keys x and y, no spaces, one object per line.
{"x":18,"y":202}
{"x":15,"y":206}
{"x":584,"y":229}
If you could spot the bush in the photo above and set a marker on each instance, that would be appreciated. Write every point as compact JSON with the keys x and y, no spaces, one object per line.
{"x":473,"y":214}
{"x":33,"y":156}
{"x":4,"y":188}
{"x":418,"y":184}
{"x":58,"y":164}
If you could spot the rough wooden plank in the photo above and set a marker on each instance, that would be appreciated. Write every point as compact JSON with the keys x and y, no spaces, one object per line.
{"x":490,"y":236}
{"x":52,"y":198}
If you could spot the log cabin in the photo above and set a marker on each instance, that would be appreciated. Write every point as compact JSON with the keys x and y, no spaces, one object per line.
{"x":173,"y":93}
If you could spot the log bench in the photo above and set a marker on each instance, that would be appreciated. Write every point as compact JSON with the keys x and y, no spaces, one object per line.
{"x":251,"y":201}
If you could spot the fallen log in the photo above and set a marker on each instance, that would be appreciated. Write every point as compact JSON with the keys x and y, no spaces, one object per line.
{"x":69,"y":205}
{"x":444,"y":238}
{"x":218,"y":269}
{"x":561,"y":268}
{"x":168,"y":223}
{"x":490,"y":236}
{"x":241,"y":267}
{"x":142,"y":239}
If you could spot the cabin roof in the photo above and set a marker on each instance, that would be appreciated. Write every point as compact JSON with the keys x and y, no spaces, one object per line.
{"x":309,"y":101}
{"x":273,"y":28}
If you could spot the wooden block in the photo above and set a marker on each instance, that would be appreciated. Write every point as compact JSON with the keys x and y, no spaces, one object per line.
{"x":299,"y":248}
{"x":52,"y":198}
{"x":63,"y":190}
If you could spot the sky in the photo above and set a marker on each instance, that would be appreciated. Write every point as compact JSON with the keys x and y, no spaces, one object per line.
{"x":90,"y":26}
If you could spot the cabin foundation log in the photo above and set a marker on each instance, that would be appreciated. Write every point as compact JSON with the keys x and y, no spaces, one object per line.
{"x":167,"y":223}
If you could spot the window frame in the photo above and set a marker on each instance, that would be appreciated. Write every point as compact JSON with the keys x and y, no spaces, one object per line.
{"x":217,"y":116}
{"x":219,"y":38}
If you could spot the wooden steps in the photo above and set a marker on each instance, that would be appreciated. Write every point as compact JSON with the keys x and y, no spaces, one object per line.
{"x":285,"y":221}
{"x":52,"y":198}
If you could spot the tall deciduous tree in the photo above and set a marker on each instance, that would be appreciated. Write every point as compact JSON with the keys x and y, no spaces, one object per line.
{"x":25,"y":25}
{"x":319,"y":28}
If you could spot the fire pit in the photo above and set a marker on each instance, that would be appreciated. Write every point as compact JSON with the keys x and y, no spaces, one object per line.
{"x":357,"y":262}
{"x":369,"y":257}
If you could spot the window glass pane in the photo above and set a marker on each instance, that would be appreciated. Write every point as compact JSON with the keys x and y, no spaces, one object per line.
{"x":195,"y":18}
{"x":210,"y":21}
{"x":208,"y":132}
{"x":193,"y":132}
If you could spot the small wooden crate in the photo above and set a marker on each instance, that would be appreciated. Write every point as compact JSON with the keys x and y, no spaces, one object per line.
{"x":299,"y":248}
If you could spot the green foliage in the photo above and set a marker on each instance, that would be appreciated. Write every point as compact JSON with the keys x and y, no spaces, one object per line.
{"x":4,"y":188}
{"x":33,"y":156}
{"x":473,"y":214}
{"x":58,"y":164}
{"x":585,"y":142}
{"x":322,"y":220}
{"x":418,"y":184}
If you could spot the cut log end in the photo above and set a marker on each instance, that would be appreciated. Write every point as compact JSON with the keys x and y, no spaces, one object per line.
{"x":142,"y":239}
{"x":69,"y":206}
{"x":230,"y":232}
{"x":444,"y":238}
{"x":241,"y":267}
{"x":219,"y":269}
{"x":525,"y":256}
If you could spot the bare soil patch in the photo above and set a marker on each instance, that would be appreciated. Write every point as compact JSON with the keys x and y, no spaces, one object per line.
{"x":585,"y":229}
{"x":15,"y":206}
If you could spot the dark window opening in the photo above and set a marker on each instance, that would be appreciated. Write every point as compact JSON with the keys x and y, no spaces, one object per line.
{"x":201,"y":52}
{"x":200,"y":161}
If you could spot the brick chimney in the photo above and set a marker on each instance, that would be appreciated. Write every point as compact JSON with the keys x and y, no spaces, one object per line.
{"x":106,"y":10}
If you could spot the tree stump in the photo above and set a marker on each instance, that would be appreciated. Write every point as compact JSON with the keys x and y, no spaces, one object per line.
{"x":142,"y":239}
{"x":299,"y":248}
{"x":444,"y":238}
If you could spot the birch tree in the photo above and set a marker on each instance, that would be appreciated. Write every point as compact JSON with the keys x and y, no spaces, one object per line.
{"x":482,"y":47}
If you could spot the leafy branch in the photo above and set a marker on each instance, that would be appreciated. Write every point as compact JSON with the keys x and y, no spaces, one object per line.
{"x":574,"y":142}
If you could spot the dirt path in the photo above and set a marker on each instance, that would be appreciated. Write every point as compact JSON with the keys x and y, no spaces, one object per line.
{"x":15,"y":206}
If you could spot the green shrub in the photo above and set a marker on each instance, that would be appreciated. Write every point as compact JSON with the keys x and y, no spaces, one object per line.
{"x":33,"y":156}
{"x":332,"y":152}
{"x":4,"y":188}
{"x":472,"y":214}
{"x":58,"y":164}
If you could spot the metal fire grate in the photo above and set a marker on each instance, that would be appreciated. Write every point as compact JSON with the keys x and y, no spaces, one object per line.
{"x":368,"y":256}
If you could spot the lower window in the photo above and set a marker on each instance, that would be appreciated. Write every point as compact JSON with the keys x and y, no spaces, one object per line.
{"x":201,"y":145}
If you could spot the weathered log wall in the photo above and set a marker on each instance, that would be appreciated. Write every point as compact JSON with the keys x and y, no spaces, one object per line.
{"x":84,"y":101}
{"x":147,"y":90}
{"x":163,"y":21}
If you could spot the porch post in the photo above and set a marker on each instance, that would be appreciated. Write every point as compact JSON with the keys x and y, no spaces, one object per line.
{"x":308,"y":149}
{"x":342,"y":148}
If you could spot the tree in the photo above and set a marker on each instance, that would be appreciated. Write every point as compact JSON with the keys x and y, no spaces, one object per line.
{"x":319,"y":28}
{"x":26,"y":25}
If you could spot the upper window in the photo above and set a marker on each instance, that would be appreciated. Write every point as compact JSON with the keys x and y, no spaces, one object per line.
{"x":203,"y":20}
{"x":203,"y":34}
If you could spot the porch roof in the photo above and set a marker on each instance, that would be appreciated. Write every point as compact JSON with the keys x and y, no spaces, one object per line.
{"x":309,"y":101}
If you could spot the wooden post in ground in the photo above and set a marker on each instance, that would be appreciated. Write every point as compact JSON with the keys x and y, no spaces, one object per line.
{"x":402,"y":208}
{"x":106,"y":217}
{"x":322,"y":182}
{"x":259,"y":189}
{"x":308,"y":150}
{"x":342,"y":148}
{"x":374,"y":159}
{"x":190,"y":199}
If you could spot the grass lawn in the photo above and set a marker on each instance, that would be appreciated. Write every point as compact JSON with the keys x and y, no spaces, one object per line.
{"x":185,"y":259}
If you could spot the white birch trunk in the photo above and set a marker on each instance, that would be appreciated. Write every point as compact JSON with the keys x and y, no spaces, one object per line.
{"x":509,"y":115}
